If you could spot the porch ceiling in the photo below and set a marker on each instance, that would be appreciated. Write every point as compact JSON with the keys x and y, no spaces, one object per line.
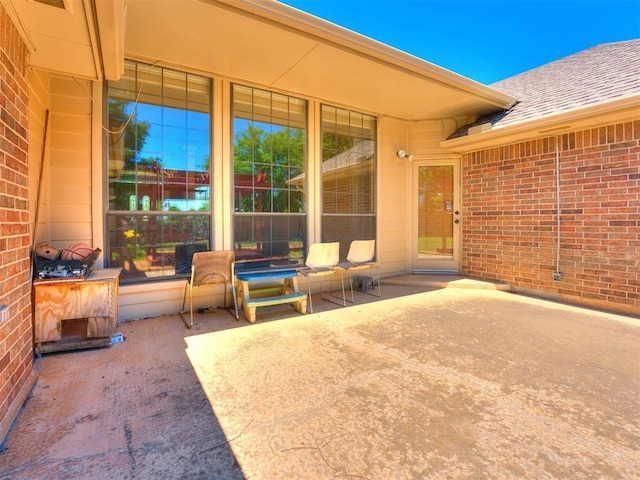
{"x":266,"y":43}
{"x":58,"y":35}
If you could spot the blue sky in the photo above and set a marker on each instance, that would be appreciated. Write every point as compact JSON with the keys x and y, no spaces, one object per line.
{"x":485,"y":40}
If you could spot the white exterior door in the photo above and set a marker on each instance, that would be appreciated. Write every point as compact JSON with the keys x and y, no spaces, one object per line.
{"x":436,"y":216}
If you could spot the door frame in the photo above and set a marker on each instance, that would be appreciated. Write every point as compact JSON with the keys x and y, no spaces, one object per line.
{"x":444,"y":265}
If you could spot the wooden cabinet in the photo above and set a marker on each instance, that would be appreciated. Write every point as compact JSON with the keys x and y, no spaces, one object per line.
{"x":91,"y":303}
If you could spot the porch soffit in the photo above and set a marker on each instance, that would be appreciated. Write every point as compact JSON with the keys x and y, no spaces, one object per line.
{"x":258,"y":42}
{"x":265,"y":43}
{"x":58,"y":39}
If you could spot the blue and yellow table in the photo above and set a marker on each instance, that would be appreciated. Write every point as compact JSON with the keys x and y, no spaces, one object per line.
{"x":271,"y":287}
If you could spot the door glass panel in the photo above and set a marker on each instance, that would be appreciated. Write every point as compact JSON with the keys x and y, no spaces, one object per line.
{"x":435,"y":212}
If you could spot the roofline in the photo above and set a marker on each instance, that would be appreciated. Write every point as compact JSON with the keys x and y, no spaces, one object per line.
{"x":625,"y":108}
{"x":347,"y":39}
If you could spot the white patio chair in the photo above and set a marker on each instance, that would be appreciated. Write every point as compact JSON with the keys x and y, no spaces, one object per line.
{"x":359,"y":259}
{"x":322,"y":261}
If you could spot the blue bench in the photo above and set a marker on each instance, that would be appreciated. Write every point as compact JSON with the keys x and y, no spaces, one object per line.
{"x":285,"y":292}
{"x":266,"y":275}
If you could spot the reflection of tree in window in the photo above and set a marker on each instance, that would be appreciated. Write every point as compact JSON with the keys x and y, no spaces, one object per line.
{"x":435,"y":220}
{"x":127,"y":137}
{"x":348,"y":176}
{"x":158,"y":133}
{"x":269,"y":151}
{"x":263,"y":165}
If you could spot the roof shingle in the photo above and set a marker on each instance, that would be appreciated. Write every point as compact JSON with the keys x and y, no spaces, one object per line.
{"x":597,"y":75}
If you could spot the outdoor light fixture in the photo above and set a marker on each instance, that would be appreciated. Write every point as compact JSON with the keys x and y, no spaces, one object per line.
{"x":403,"y":154}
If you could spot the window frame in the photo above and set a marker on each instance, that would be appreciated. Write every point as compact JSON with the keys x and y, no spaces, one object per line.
{"x":265,"y":116}
{"x":131,"y":236}
{"x":222,"y":214}
{"x":351,"y":156}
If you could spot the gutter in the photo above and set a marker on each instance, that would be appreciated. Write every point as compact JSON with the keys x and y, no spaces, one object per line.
{"x":484,"y":136}
{"x":331,"y":33}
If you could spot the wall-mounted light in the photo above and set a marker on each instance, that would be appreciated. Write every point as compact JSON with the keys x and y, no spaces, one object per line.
{"x":403,"y":154}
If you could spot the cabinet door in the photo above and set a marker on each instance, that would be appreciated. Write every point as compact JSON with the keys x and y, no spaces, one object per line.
{"x":66,"y":301}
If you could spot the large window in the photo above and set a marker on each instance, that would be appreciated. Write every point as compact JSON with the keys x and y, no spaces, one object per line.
{"x":269,"y":144}
{"x":348,"y":176}
{"x":158,"y":137}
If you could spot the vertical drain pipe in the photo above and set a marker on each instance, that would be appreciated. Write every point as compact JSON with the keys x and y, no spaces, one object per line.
{"x":39,"y":191}
{"x":557,"y":274}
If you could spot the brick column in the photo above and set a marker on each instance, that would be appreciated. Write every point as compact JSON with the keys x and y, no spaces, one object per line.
{"x":16,"y":344}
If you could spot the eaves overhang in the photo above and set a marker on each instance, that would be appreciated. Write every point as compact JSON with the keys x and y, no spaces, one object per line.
{"x":365,"y":46}
{"x":619,"y":110}
{"x":81,"y":38}
{"x":266,"y":43}
{"x":256,"y":42}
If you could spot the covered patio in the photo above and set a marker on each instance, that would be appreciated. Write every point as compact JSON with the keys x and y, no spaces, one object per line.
{"x":432,"y":381}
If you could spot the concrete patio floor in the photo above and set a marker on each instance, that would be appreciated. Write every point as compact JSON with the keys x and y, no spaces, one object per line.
{"x":429,"y":382}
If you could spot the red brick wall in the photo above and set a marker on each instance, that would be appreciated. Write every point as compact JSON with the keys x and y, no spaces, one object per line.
{"x":16,"y":350}
{"x":510,"y":222}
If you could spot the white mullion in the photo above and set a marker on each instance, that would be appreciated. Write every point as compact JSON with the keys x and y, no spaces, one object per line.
{"x":314,"y":175}
{"x":221,"y":181}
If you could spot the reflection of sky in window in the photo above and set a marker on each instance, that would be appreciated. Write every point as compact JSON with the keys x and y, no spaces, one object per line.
{"x":185,"y":205}
{"x":180,"y":138}
{"x":240,"y":124}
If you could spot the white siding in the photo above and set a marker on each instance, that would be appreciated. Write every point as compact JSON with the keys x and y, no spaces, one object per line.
{"x":70,"y":150}
{"x":425,"y":136}
{"x":38,"y":105}
{"x":394,"y":214}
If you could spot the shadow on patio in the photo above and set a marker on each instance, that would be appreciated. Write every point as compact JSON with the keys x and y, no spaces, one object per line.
{"x":429,"y":382}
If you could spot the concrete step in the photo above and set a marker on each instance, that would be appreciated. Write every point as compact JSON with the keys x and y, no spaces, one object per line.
{"x":445,"y":281}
